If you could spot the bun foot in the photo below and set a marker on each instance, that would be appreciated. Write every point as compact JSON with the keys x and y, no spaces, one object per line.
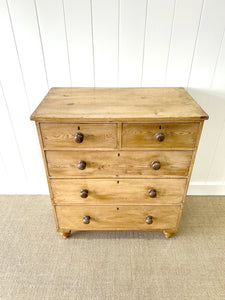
{"x":65,"y":234}
{"x":168,"y":234}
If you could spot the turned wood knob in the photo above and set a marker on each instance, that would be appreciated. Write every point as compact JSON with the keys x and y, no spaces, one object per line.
{"x":79,"y":137}
{"x":84,"y":193}
{"x":148,"y":219}
{"x":81,"y":165}
{"x":160,"y":136}
{"x":156,"y":165}
{"x":86,"y":219}
{"x":152,"y":193}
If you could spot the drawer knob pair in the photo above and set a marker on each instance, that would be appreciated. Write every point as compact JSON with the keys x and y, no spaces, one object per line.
{"x":160,"y":136}
{"x":79,"y":137}
{"x":86,"y":219}
{"x":149,"y":219}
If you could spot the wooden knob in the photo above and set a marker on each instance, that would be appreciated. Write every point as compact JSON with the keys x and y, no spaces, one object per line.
{"x":160,"y":136}
{"x":86,"y":219}
{"x":79,"y":137}
{"x":156,"y":165}
{"x":152,"y":193}
{"x":81,"y":165}
{"x":148,"y":219}
{"x":84,"y":193}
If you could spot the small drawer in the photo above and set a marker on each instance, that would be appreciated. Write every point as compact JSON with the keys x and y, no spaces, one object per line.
{"x":117,"y":217}
{"x":118,"y":192}
{"x":160,"y":135}
{"x":78,"y":136}
{"x":68,"y":164}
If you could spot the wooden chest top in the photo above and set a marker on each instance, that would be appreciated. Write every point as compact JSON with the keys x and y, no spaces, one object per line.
{"x":118,"y":105}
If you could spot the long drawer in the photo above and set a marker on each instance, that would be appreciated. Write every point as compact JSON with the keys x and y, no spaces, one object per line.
{"x":68,"y":164}
{"x":78,"y":136}
{"x":160,"y":135}
{"x":117,"y":217}
{"x":118,"y":192}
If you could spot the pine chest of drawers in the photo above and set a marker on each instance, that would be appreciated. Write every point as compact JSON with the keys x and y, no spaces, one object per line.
{"x":118,"y":158}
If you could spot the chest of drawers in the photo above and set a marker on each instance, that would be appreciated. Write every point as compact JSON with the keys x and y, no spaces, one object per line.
{"x":118,"y":158}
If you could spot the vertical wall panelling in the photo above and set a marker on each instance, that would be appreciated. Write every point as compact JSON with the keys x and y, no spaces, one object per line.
{"x":105,"y":41}
{"x":216,"y":171}
{"x":215,"y":106}
{"x":54,"y":41}
{"x":78,"y":28}
{"x":25,"y":26}
{"x":12,"y":159}
{"x":131,"y":41}
{"x":185,"y":28}
{"x":218,"y":81}
{"x":204,"y":63}
{"x":208,"y":43}
{"x":157,"y":40}
{"x":13,"y":86}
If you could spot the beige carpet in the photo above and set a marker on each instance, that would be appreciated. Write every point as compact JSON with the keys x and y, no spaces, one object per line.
{"x":37,"y":263}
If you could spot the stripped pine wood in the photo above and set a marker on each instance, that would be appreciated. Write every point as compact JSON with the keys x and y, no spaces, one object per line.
{"x":174,"y":135}
{"x":46,"y":171}
{"x":61,"y":136}
{"x":190,"y":171}
{"x":64,"y":164}
{"x":118,"y":217}
{"x":149,"y":186}
{"x":118,"y":192}
{"x":144,"y":104}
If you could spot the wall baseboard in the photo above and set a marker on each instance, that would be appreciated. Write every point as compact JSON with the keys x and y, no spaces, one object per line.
{"x":204,"y":189}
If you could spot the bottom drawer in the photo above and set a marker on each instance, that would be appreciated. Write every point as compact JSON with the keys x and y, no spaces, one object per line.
{"x":117,"y":217}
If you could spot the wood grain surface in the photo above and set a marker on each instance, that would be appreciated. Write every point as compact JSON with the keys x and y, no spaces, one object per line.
{"x":118,"y":104}
{"x":63,"y":164}
{"x":115,"y":192}
{"x":176,"y":135}
{"x":61,"y":136}
{"x":118,"y":217}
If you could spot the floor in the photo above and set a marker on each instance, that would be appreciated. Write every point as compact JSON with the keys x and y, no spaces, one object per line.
{"x":37,"y":263}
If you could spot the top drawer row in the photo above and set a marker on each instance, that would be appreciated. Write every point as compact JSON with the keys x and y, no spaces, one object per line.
{"x":145,"y":135}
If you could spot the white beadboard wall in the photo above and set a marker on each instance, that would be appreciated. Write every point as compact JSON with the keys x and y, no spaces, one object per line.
{"x":102,"y":43}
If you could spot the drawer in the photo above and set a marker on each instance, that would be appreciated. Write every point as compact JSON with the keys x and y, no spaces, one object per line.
{"x":116,"y":192}
{"x":66,"y":164}
{"x":118,"y":217}
{"x":78,"y":136}
{"x":163,"y":135}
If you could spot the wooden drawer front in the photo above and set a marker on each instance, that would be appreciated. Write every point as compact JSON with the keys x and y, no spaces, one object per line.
{"x":112,"y":191}
{"x":61,"y":136}
{"x":64,"y":164}
{"x":118,"y":217}
{"x":176,"y":135}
